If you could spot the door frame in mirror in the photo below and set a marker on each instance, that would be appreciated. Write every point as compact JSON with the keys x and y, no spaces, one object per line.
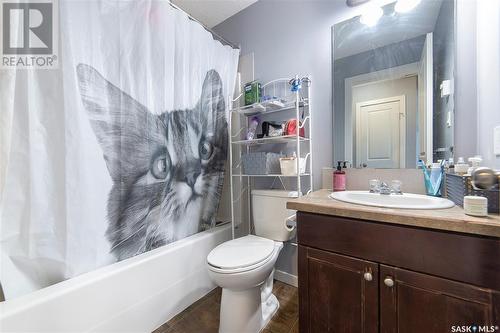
{"x":392,"y":73}
{"x":426,"y":101}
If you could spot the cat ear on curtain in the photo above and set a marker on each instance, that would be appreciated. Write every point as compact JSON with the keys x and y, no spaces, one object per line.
{"x":212,"y":112}
{"x":211,"y":105}
{"x":126,"y":131}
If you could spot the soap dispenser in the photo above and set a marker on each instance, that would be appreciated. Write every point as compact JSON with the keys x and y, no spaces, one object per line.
{"x":339,"y":178}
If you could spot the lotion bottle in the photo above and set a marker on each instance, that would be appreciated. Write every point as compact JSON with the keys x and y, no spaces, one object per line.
{"x":339,"y":178}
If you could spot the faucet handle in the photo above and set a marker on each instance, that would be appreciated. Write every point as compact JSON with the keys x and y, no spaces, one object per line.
{"x":396,"y":186}
{"x":374,"y":185}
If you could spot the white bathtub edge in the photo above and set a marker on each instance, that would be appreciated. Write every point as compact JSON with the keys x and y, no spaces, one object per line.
{"x":110,"y":297}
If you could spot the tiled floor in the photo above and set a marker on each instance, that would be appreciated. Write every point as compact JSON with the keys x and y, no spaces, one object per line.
{"x":203,"y":316}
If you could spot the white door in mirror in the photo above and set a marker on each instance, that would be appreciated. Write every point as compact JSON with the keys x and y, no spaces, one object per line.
{"x":380,"y":133}
{"x":403,"y":201}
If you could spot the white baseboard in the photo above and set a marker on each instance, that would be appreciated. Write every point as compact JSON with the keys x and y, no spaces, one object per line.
{"x":286,"y":278}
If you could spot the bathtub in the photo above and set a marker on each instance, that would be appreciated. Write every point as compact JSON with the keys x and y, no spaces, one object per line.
{"x":135,"y":295}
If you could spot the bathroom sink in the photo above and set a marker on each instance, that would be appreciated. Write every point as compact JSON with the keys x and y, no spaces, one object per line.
{"x":403,"y":201}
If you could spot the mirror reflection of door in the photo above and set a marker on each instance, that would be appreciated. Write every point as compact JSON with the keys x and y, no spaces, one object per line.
{"x":380,"y":133}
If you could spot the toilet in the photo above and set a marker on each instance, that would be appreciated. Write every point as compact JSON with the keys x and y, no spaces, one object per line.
{"x":244,"y":267}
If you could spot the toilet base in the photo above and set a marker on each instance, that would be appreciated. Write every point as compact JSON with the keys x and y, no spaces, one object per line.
{"x":247,"y":311}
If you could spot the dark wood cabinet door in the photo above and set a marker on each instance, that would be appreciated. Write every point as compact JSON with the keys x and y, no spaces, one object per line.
{"x":336,"y":293}
{"x":414,"y":302}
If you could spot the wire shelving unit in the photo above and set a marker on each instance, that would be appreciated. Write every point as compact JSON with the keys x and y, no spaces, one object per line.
{"x":293,"y":105}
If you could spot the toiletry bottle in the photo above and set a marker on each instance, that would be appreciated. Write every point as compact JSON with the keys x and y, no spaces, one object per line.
{"x":475,"y":163}
{"x":252,"y":128}
{"x":461,"y":167}
{"x":339,"y":178}
{"x":451,"y":165}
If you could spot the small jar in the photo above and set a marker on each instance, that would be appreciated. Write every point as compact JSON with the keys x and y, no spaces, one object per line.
{"x":476,"y":206}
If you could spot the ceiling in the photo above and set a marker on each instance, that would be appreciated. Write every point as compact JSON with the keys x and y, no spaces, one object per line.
{"x":212,"y":12}
{"x":353,"y":37}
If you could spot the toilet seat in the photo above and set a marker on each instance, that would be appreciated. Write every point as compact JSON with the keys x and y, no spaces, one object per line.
{"x":242,"y":254}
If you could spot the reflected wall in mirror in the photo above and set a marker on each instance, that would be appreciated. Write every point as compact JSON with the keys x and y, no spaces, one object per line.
{"x":393,"y":86}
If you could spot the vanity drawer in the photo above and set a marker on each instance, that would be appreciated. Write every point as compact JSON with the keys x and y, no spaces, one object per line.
{"x":456,"y":256}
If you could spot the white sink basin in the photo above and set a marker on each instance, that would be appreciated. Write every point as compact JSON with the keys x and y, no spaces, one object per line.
{"x":404,"y":201}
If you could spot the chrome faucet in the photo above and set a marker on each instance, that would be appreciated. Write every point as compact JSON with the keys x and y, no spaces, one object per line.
{"x":377,"y":186}
{"x":384,"y":189}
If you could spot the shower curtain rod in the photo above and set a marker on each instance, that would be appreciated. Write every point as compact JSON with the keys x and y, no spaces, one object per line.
{"x":217,"y":36}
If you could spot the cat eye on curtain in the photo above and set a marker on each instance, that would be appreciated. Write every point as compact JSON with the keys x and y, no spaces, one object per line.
{"x":160,"y":167}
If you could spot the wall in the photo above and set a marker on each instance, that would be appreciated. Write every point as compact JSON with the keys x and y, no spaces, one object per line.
{"x":405,"y":86}
{"x":444,"y":66}
{"x":393,"y":55}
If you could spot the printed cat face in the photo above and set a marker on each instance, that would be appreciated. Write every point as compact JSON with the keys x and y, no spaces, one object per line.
{"x":167,"y":169}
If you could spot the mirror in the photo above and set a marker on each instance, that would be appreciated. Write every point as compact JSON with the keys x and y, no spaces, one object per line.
{"x":393,"y":85}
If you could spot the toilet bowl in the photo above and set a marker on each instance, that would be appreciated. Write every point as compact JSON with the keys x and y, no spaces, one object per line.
{"x":244,"y":267}
{"x":247,"y":303}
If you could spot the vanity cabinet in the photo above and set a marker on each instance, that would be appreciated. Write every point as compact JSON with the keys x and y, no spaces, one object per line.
{"x":365,"y":276}
{"x":414,"y":302}
{"x":340,"y":295}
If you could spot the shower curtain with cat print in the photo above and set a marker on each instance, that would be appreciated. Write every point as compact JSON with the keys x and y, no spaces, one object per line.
{"x":119,"y":150}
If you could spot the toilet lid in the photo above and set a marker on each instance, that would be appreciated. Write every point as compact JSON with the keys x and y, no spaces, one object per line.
{"x":241,"y":252}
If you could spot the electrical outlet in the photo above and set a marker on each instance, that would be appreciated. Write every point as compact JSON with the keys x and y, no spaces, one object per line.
{"x":496,"y":140}
{"x":448,"y":120}
{"x":446,"y":88}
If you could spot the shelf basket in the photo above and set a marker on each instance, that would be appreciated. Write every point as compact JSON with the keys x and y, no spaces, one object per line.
{"x":261,"y":163}
{"x":457,"y":187}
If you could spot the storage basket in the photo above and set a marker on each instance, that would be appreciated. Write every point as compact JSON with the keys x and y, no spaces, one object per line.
{"x":261,"y":163}
{"x":288,"y":166}
{"x":457,"y":187}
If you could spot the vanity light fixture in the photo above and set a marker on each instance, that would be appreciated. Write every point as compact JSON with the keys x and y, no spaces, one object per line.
{"x":404,"y":6}
{"x":371,"y":15}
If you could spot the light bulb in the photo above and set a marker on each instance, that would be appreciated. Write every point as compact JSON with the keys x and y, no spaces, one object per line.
{"x":403,"y":6}
{"x":371,"y":16}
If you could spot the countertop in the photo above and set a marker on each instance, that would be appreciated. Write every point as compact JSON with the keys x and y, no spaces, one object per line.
{"x":451,"y":219}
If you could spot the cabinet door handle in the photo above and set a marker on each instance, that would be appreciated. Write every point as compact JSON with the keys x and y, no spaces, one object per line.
{"x":368,"y":276}
{"x":388,"y":281}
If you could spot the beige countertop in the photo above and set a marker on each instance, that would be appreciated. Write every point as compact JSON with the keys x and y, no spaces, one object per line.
{"x":451,"y":219}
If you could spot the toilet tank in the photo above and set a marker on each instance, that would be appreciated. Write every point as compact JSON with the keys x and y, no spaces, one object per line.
{"x":269,"y":214}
